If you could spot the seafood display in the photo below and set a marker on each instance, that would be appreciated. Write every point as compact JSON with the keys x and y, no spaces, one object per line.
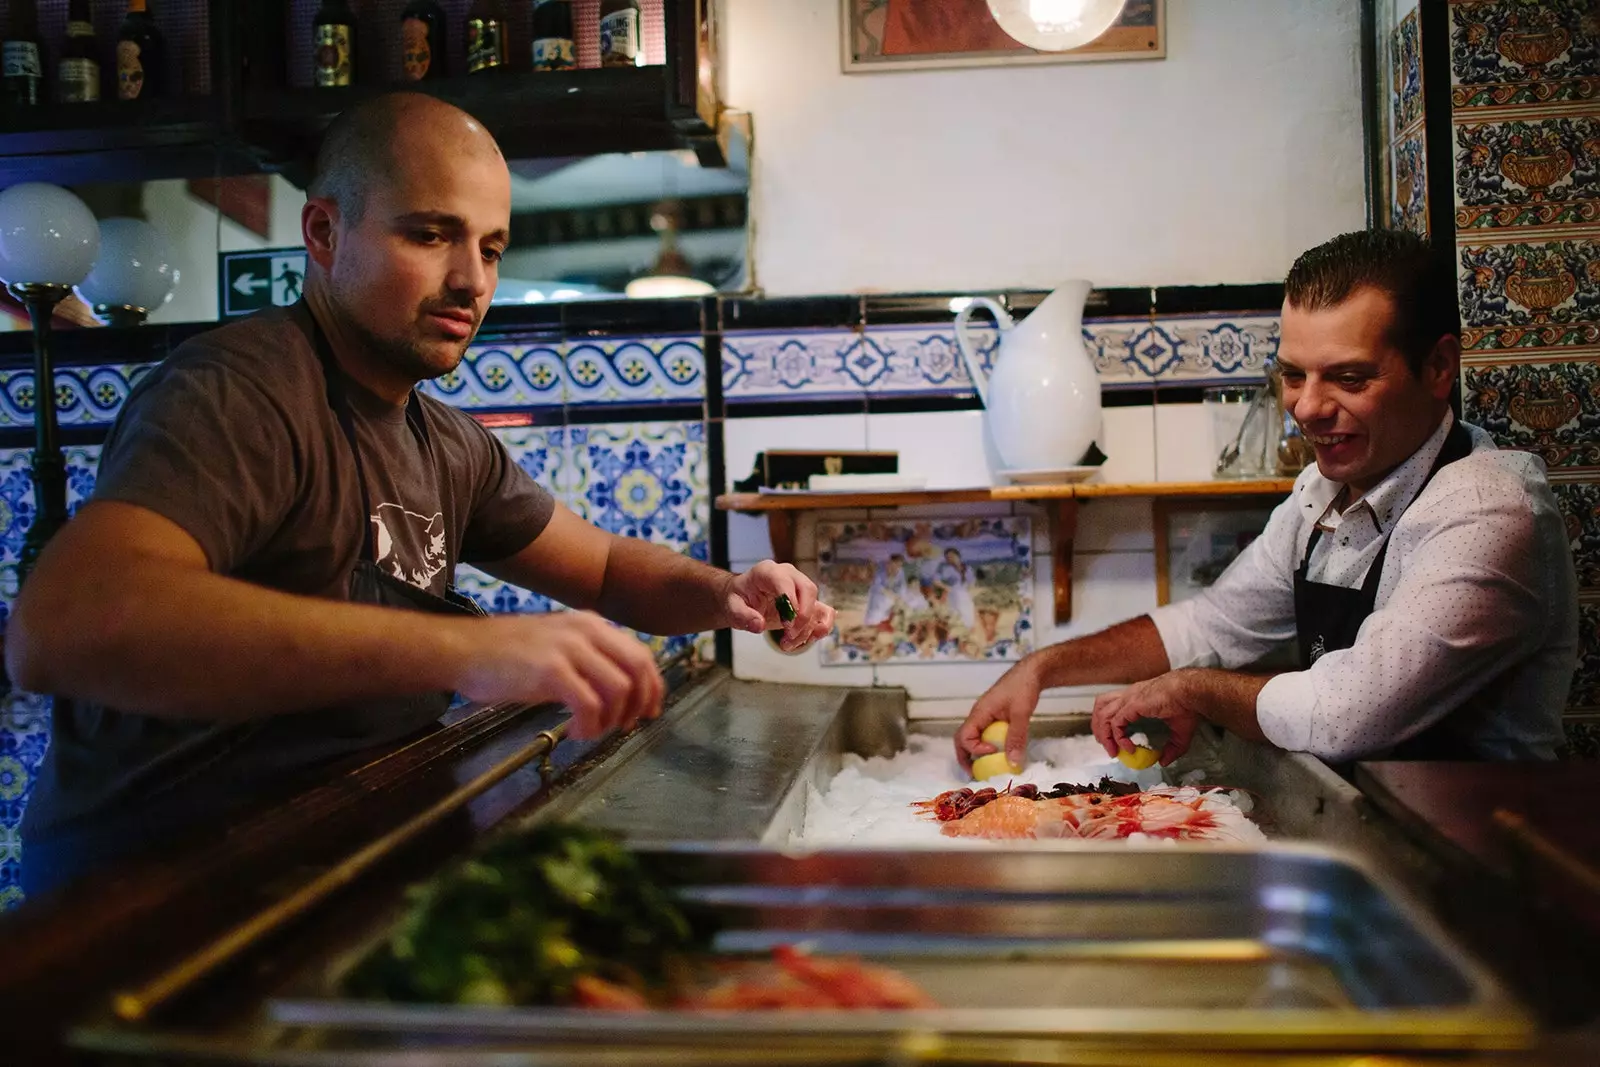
{"x":1107,"y":810}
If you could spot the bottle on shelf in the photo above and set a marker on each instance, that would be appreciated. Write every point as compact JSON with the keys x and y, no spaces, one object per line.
{"x":333,"y":44}
{"x":553,"y":46}
{"x":621,"y":33}
{"x":78,"y":71}
{"x":141,"y":55}
{"x":486,"y":37}
{"x":422,"y":41}
{"x":22,"y":58}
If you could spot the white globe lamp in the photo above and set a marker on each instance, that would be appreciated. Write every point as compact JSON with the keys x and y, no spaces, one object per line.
{"x":133,"y":274}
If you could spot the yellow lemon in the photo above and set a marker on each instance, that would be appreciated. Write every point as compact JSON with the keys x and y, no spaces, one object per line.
{"x":992,"y":766}
{"x":1137,"y":760}
{"x":995,"y":733}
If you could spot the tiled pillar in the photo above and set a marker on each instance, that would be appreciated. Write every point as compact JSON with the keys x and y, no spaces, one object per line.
{"x":1524,"y":116}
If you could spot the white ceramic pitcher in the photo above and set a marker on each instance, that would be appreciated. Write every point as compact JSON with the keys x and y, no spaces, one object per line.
{"x":1043,"y":395}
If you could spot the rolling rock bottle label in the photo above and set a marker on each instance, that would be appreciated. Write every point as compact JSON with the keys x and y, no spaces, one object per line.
{"x":619,"y":38}
{"x":79,"y":80}
{"x":23,"y":71}
{"x":331,"y":44}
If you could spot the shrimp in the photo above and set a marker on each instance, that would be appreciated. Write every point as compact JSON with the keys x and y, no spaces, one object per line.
{"x":1010,"y":817}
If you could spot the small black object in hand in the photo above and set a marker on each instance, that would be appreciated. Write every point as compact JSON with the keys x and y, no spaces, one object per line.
{"x":786,"y":610}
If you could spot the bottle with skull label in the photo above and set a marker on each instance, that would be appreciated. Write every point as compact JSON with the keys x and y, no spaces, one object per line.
{"x":422,"y":41}
{"x":141,"y":55}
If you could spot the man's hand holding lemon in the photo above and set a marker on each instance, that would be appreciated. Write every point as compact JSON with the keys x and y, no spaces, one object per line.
{"x":1011,"y":701}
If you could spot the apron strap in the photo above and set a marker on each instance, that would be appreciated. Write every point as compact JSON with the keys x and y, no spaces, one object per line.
{"x":1457,"y":445}
{"x":339,"y":401}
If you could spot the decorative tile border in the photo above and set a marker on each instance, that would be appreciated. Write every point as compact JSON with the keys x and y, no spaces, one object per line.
{"x":85,"y":396}
{"x":504,"y":375}
{"x":1530,"y":294}
{"x":1544,"y":172}
{"x":1505,"y":52}
{"x":1539,"y":407}
{"x":1189,"y":349}
{"x":1405,"y":74}
{"x":550,"y":372}
{"x":923,"y":360}
{"x":1409,"y":211}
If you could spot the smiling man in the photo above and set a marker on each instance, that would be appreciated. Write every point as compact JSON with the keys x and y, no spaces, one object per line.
{"x":1426,"y":574}
{"x":261,"y":582}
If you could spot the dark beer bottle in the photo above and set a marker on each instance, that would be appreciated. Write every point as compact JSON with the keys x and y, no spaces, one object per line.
{"x":22,"y":58}
{"x":422,"y":41}
{"x":553,"y":47}
{"x":486,"y":37}
{"x":333,"y":44}
{"x":78,"y":72}
{"x":141,"y":55}
{"x":621,"y":34}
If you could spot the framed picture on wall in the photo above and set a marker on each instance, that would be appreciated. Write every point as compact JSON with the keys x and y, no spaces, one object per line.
{"x":883,"y":35}
{"x":1197,"y":538}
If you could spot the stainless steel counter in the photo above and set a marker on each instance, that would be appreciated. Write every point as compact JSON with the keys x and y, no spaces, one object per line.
{"x":728,"y":768}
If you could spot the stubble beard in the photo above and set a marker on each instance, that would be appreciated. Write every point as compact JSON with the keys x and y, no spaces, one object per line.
{"x":407,"y":356}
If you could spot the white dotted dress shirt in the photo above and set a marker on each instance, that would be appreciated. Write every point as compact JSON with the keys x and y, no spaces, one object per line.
{"x":1476,"y":615}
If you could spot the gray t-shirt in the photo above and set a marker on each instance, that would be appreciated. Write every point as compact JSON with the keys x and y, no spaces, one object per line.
{"x":233,"y":438}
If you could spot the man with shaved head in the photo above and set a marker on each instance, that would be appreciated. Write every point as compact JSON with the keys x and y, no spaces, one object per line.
{"x":261,"y":583}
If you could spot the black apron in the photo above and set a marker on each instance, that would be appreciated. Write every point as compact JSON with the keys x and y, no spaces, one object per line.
{"x":114,"y":783}
{"x":1328,"y":617}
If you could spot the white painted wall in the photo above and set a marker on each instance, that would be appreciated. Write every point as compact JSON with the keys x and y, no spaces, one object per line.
{"x":198,"y":232}
{"x":1217,"y":164}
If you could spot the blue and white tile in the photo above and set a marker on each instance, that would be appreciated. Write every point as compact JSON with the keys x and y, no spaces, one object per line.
{"x":920,"y":359}
{"x":778,"y":364}
{"x":16,"y":491}
{"x":636,"y":369}
{"x":648,"y":480}
{"x":520,"y":374}
{"x":542,"y":452}
{"x":85,"y":396}
{"x":1183,"y":348}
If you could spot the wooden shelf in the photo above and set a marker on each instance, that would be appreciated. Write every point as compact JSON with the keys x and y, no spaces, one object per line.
{"x":1060,"y":500}
{"x":800,"y":501}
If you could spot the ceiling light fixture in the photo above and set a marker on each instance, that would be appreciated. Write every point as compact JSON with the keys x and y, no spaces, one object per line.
{"x":1055,"y":25}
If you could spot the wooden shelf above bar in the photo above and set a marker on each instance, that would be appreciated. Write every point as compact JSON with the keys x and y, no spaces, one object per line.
{"x":1060,"y":500}
{"x":799,"y":501}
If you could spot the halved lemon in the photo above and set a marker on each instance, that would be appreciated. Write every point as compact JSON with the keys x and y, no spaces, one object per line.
{"x":1137,"y":760}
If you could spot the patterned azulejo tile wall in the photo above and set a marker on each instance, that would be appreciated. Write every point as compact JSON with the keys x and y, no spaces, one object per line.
{"x":1525,"y":115}
{"x":24,"y":717}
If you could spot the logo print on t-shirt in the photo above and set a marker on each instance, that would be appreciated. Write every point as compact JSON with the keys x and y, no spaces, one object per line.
{"x":409,"y":546}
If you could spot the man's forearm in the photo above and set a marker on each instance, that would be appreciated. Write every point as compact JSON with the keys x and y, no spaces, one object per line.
{"x":1226,"y":698}
{"x":659,"y":591}
{"x":173,"y":641}
{"x":1127,"y":652}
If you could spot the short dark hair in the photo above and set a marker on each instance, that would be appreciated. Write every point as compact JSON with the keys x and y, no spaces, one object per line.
{"x":1417,"y":277}
{"x":355,"y":152}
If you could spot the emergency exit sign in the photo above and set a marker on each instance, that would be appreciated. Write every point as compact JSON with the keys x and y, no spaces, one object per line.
{"x":261,"y":278}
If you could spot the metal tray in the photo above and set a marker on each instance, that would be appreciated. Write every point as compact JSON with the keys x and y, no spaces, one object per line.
{"x":1288,"y":947}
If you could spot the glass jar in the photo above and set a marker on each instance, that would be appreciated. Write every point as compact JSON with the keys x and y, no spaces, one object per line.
{"x":1241,"y":442}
